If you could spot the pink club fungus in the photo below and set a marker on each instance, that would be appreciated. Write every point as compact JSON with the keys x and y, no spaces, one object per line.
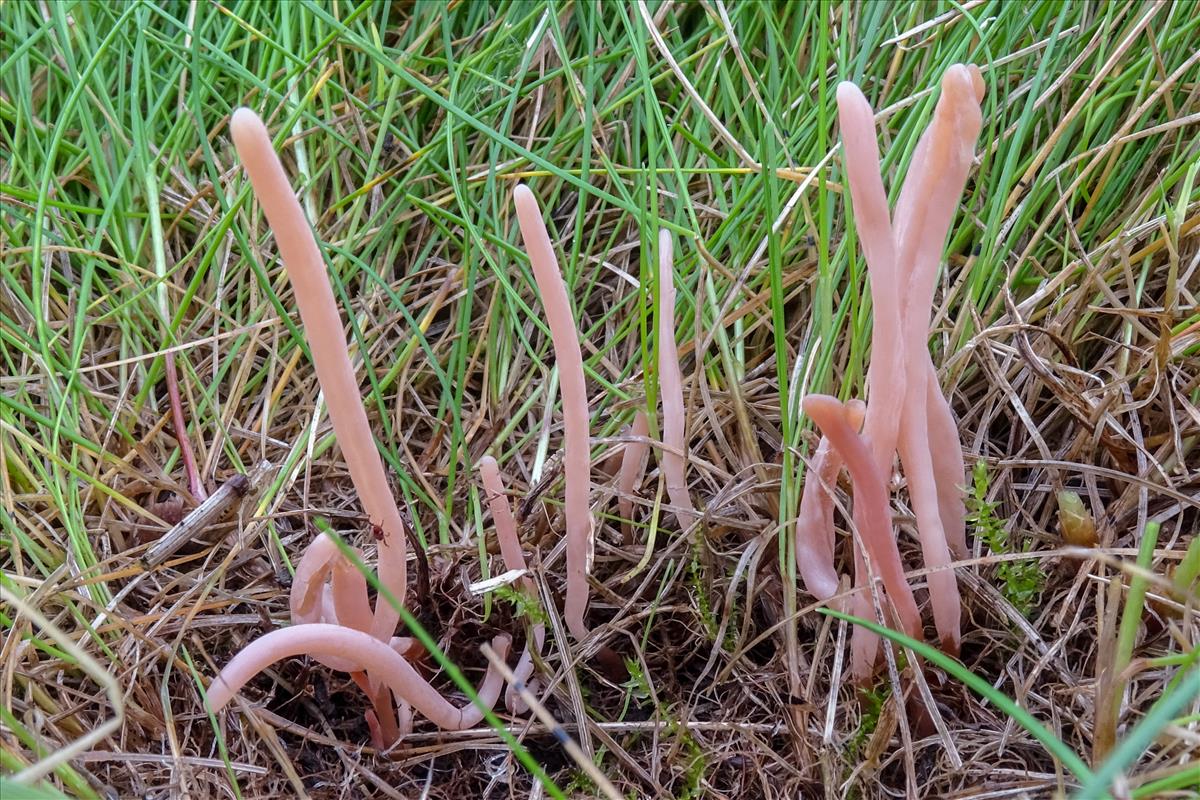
{"x":510,"y":550}
{"x":673,"y":448}
{"x":670,"y":387}
{"x":872,"y":517}
{"x":633,"y":467}
{"x":332,"y":618}
{"x":319,"y":312}
{"x":577,"y":448}
{"x":903,"y":254}
{"x":673,"y":457}
{"x":368,"y":654}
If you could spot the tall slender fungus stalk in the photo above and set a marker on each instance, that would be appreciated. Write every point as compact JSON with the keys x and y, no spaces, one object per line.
{"x":923,"y":218}
{"x":569,"y":357}
{"x":670,"y":387}
{"x":323,"y":324}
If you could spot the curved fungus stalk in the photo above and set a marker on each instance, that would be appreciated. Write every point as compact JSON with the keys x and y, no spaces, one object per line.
{"x":870,"y":505}
{"x":814,"y":538}
{"x":325,"y":640}
{"x":327,"y":587}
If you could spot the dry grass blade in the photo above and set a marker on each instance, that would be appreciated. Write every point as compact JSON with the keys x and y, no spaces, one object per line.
{"x":66,"y":751}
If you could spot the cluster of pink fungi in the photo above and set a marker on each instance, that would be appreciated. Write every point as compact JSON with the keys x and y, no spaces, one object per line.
{"x":903,"y":251}
{"x":332,"y":617}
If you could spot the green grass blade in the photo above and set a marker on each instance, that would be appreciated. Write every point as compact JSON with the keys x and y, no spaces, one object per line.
{"x":1036,"y":729}
{"x":1174,"y":699}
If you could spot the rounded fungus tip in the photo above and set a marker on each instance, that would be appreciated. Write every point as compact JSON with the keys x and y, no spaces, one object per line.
{"x":244,"y":119}
{"x":977,"y":81}
{"x":845,"y":88}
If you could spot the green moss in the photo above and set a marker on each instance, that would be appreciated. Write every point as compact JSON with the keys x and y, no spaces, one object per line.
{"x":1021,"y":581}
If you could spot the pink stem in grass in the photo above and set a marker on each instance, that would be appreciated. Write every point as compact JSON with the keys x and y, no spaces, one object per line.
{"x":886,"y":372}
{"x":945,"y":447}
{"x":327,"y":588}
{"x":502,"y":516}
{"x":949,"y":470}
{"x":577,"y":457}
{"x":922,"y":490}
{"x":633,"y":468}
{"x":816,"y":566}
{"x":864,"y":644}
{"x":195,"y":482}
{"x":930,"y":197}
{"x":343,"y":600}
{"x":323,"y":324}
{"x":923,"y":218}
{"x":814,"y":525}
{"x":670,"y":388}
{"x":368,"y":654}
{"x":870,"y":504}
{"x":514,"y":558}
